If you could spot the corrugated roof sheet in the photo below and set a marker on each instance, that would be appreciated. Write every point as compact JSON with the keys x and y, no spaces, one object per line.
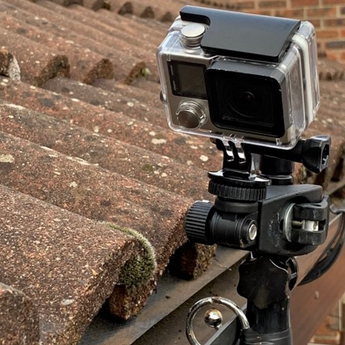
{"x":84,"y":143}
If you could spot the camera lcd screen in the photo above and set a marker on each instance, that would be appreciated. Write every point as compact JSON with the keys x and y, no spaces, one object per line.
{"x":187,"y":79}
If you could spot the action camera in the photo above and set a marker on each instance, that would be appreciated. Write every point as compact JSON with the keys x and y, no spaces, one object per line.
{"x":240,"y":77}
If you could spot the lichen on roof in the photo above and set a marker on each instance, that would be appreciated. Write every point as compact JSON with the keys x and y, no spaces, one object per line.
{"x":142,"y":268}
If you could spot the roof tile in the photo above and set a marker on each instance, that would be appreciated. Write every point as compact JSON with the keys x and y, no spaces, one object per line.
{"x":131,"y":107}
{"x":146,"y":96}
{"x":9,"y":65}
{"x":18,"y":317}
{"x":108,"y":153}
{"x":126,"y":66}
{"x":67,"y":2}
{"x":330,"y":70}
{"x":148,"y":9}
{"x":129,"y":29}
{"x":184,"y":149}
{"x":86,"y":189}
{"x":96,"y":193}
{"x":66,"y":264}
{"x":37,"y":62}
{"x":109,"y":35}
{"x":86,"y":66}
{"x":94,"y":4}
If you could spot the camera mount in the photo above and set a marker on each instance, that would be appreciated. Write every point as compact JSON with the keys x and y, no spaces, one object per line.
{"x":250,"y":83}
{"x":270,"y":217}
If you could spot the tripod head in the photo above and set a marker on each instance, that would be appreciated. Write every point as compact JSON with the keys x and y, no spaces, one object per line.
{"x":264,"y":213}
{"x":270,"y":217}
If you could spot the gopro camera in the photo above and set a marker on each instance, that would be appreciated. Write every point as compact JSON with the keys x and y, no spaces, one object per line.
{"x":240,"y":77}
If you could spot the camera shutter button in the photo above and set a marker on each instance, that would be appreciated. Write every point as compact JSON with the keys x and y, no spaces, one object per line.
{"x":191,"y":35}
{"x":190,"y":114}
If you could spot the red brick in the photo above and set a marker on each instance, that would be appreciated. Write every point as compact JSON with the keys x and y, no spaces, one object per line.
{"x":322,"y":12}
{"x":302,"y":3}
{"x":290,"y":13}
{"x":332,"y":55}
{"x":333,"y":2}
{"x":327,"y":340}
{"x":321,"y":48}
{"x":327,"y":34}
{"x":342,"y":58}
{"x":264,"y":12}
{"x":316,"y":22}
{"x":272,"y":4}
{"x":240,"y":5}
{"x":334,"y":22}
{"x":325,"y":329}
{"x":335,"y":45}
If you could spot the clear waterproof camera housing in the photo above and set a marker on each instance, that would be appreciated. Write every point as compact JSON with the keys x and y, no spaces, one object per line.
{"x":240,"y":77}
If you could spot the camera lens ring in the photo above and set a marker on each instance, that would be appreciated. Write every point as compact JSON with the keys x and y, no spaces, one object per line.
{"x":242,"y":102}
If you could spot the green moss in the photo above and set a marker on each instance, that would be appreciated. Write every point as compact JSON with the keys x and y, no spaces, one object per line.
{"x":148,"y":167}
{"x":140,"y":269}
{"x":160,"y":136}
{"x":107,"y":5}
{"x":145,"y":72}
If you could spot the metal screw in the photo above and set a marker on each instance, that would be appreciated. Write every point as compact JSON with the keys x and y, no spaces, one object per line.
{"x":252,"y":231}
{"x":213,"y":318}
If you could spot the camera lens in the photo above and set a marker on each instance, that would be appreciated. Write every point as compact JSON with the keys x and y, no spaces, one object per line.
{"x":246,"y":103}
{"x":245,"y":100}
{"x":242,"y":101}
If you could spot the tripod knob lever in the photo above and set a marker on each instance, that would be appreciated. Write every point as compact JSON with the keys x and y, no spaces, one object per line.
{"x":213,"y":301}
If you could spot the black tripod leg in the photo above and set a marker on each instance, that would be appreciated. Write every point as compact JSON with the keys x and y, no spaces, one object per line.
{"x":265,"y":284}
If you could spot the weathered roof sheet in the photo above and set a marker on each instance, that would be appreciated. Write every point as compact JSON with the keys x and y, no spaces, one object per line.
{"x":37,"y":63}
{"x":84,"y":141}
{"x":111,"y":135}
{"x":108,"y":153}
{"x":147,"y":9}
{"x":66,"y":264}
{"x":18,"y":317}
{"x":87,"y":65}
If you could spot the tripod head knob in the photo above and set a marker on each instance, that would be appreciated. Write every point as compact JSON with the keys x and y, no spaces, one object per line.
{"x":208,"y":224}
{"x":251,"y":189}
{"x":196,"y":222}
{"x":236,"y":193}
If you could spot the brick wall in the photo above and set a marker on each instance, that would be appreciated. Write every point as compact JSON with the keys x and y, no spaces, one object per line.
{"x":329,"y":331}
{"x":328,"y":17}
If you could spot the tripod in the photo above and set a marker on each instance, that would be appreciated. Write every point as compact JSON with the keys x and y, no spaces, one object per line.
{"x":271,"y":218}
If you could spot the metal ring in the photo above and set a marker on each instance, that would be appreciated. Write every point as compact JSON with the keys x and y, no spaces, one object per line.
{"x":212,"y":300}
